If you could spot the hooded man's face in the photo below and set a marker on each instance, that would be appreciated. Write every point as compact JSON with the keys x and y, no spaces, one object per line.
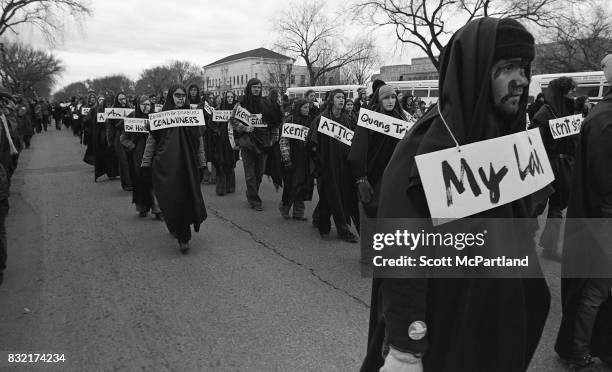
{"x":508,"y":81}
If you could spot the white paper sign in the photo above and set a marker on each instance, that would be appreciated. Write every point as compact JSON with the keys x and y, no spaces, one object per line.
{"x":230,"y":136}
{"x":243,"y":115}
{"x":193,"y":106}
{"x":101,"y":117}
{"x":565,"y":126}
{"x":335,"y":130}
{"x":85,"y":110}
{"x":208,"y":108}
{"x":75,"y":117}
{"x":295,"y":131}
{"x":135,"y":125}
{"x":117,"y":112}
{"x":257,"y":121}
{"x":484,"y":175}
{"x":221,"y":115}
{"x":176,"y":118}
{"x":383,"y":123}
{"x":158,"y":107}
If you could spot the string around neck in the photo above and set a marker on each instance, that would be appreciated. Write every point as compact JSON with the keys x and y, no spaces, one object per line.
{"x":448,"y":128}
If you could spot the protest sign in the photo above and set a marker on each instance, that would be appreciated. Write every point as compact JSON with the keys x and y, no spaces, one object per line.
{"x":117,"y":112}
{"x":382,"y":123}
{"x":193,"y":106}
{"x":135,"y":125}
{"x":497,"y":171}
{"x":75,"y":116}
{"x":207,"y":108}
{"x":101,"y":117}
{"x":257,"y":121}
{"x":230,"y":136}
{"x":565,"y":126}
{"x":85,"y":110}
{"x":335,"y":130}
{"x":221,"y":115}
{"x":176,"y":118}
{"x":295,"y":131}
{"x":158,"y":107}
{"x":243,"y":115}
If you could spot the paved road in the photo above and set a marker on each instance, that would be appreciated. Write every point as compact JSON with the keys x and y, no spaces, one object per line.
{"x":90,"y":279}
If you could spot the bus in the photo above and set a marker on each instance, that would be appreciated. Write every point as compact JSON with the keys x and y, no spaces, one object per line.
{"x":427,"y":90}
{"x":352,"y":91}
{"x":591,"y":83}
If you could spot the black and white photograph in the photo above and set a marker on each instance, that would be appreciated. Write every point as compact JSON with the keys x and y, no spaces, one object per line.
{"x":325,"y":185}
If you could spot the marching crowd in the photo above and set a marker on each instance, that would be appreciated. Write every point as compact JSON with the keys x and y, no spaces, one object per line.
{"x":415,"y":324}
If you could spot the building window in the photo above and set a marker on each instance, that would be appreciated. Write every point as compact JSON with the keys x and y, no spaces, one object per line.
{"x":292,"y":79}
{"x":256,"y":75}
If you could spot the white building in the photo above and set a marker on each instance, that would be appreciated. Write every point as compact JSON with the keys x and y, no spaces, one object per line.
{"x":233,"y":72}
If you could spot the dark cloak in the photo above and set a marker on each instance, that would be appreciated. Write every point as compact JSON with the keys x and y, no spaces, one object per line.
{"x":591,"y":182}
{"x":223,"y":156}
{"x":175,"y":172}
{"x":105,"y":159}
{"x":261,"y":138}
{"x":335,"y":180}
{"x":274,"y":166}
{"x":114,"y":130}
{"x":143,"y":184}
{"x":302,"y":180}
{"x":473,"y":324}
{"x":88,"y":124}
{"x":370,"y":153}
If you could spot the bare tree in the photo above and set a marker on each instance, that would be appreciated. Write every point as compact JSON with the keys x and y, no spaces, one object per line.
{"x":186,"y":73}
{"x":43,"y":14}
{"x":307,"y":31}
{"x":154,"y":80}
{"x":578,"y":41}
{"x":78,"y":89}
{"x":27,"y":70}
{"x":428,"y":24}
{"x":279,"y":75}
{"x":362,"y":69}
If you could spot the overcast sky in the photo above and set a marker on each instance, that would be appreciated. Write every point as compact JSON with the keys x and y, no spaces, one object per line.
{"x":127,"y":36}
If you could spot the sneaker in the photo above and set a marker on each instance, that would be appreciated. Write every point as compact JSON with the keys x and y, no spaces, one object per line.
{"x":552,"y":255}
{"x":584,"y":364}
{"x":258,"y":208}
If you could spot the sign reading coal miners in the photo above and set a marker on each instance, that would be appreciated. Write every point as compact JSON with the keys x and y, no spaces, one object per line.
{"x":135,"y":125}
{"x":384,"y":124}
{"x":335,"y":130}
{"x":117,"y":112}
{"x":483,"y":175}
{"x":565,"y":126}
{"x":221,"y":115}
{"x":176,"y":118}
{"x":295,"y":131}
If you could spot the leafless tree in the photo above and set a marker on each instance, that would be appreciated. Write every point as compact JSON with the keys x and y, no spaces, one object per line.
{"x":43,"y":14}
{"x":186,"y":73}
{"x":579,"y":40}
{"x":279,"y":75}
{"x":428,"y":24}
{"x":111,"y":85}
{"x":78,"y":89}
{"x":154,"y":80}
{"x":307,"y":31}
{"x":24,"y":68}
{"x":362,"y":69}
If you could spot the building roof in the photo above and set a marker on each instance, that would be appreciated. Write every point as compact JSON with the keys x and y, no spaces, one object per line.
{"x":255,"y":53}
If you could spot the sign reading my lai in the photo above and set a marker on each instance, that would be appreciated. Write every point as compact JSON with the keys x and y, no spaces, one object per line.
{"x":483,"y":175}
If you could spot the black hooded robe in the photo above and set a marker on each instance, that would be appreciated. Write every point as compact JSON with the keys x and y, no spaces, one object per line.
{"x":114,"y":129}
{"x":472,"y":324}
{"x":337,"y":190}
{"x":105,"y":161}
{"x":591,"y":182}
{"x":142,"y":195}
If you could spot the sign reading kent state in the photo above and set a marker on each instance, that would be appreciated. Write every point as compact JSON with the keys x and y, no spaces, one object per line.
{"x":336,"y":131}
{"x":565,"y":126}
{"x":176,"y":118}
{"x":384,"y":124}
{"x":245,"y":117}
{"x":136,"y":125}
{"x":483,"y":175}
{"x":295,"y":131}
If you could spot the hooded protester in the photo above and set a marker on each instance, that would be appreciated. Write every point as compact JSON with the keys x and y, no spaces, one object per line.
{"x":337,"y":191}
{"x":274,"y":167}
{"x":114,"y":128}
{"x":465,"y":324}
{"x":207,"y":104}
{"x":194,"y":95}
{"x":134,"y":144}
{"x":298,"y":184}
{"x":105,"y":159}
{"x":223,"y":157}
{"x":558,"y":103}
{"x":253,"y":141}
{"x":24,"y":118}
{"x":371,"y":151}
{"x":88,"y":127}
{"x":176,"y":159}
{"x":586,"y":325}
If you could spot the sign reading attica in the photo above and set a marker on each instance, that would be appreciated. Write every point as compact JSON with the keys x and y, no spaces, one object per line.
{"x":176,"y":118}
